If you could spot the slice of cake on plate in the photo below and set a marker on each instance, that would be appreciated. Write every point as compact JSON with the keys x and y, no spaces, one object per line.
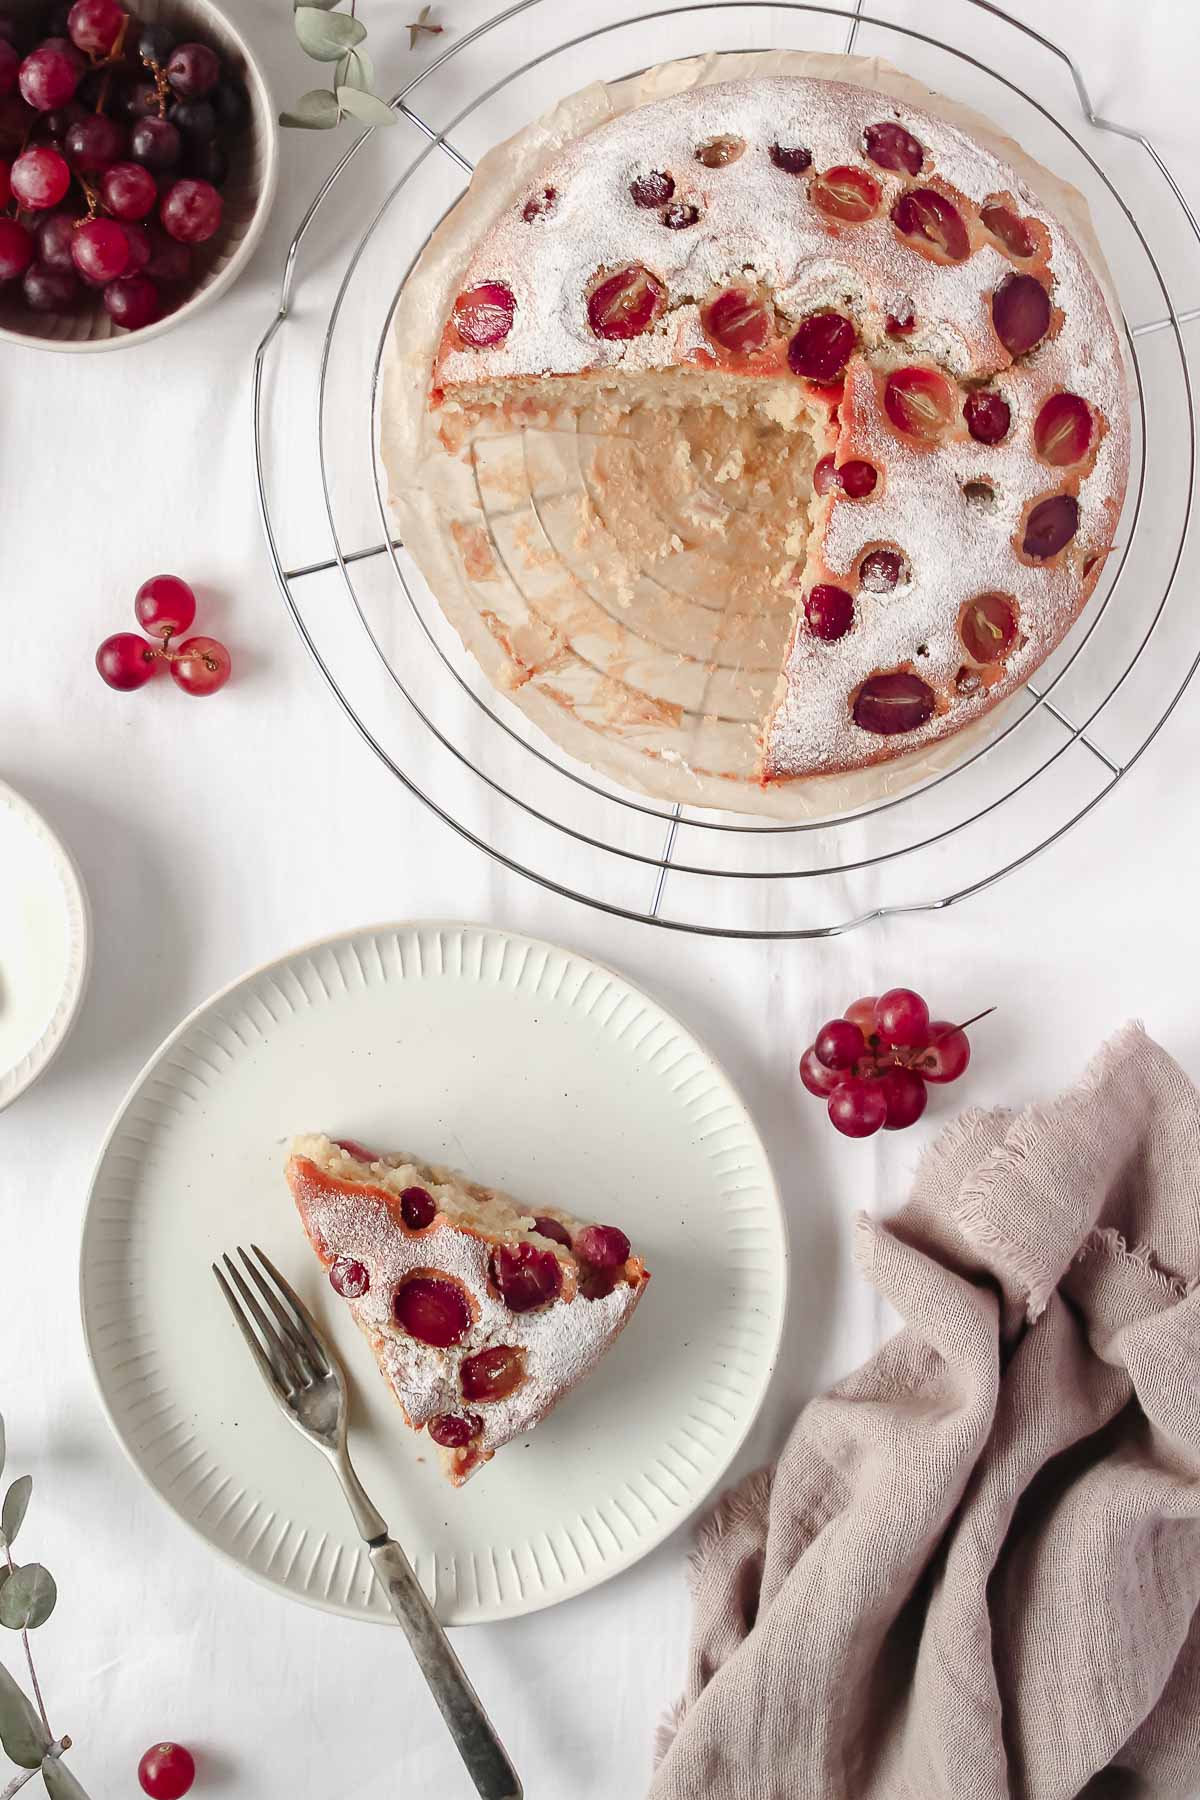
{"x":481,"y":1313}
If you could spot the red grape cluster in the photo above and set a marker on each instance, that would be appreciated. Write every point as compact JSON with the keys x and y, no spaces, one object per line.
{"x":113,"y":149}
{"x":871,"y":1066}
{"x":165,"y":606}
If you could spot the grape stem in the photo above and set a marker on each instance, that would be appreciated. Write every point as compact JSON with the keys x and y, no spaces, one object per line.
{"x":106,"y":63}
{"x":910,"y":1061}
{"x":986,"y":1013}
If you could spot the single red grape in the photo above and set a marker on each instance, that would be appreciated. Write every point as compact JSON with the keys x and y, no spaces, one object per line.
{"x":50,"y":74}
{"x":16,"y":249}
{"x":169,"y":262}
{"x":133,"y":302}
{"x":902,"y":1017}
{"x":155,"y":44}
{"x":140,"y":101}
{"x":418,"y":1208}
{"x":126,"y":660}
{"x":433,"y":1311}
{"x":654,"y":188}
{"x":349,"y":1278}
{"x":524,"y":1276}
{"x":829,"y":611}
{"x":101,"y":251}
{"x":208,"y":161}
{"x":552,"y":1229}
{"x":946,"y":1054}
{"x":493,"y":1374}
{"x":904,"y":1097}
{"x":455,"y":1430}
{"x":166,"y":1772}
{"x":155,"y":144}
{"x":138,"y":239}
{"x":895,"y":700}
{"x":793,"y":159}
{"x":55,"y":235}
{"x":881,"y":570}
{"x":194,"y":118}
{"x":231,"y":104}
{"x":165,"y":606}
{"x":892,"y":147}
{"x":623,"y":305}
{"x":821,"y":346}
{"x":605,"y":1246}
{"x":862,"y":1013}
{"x":1051,"y":526}
{"x":49,"y":290}
{"x":839,"y":1044}
{"x":193,"y":71}
{"x":201,"y":665}
{"x":94,"y":143}
{"x":816,"y":1077}
{"x":845,"y":193}
{"x":1021,"y":313}
{"x":40,"y":178}
{"x":95,"y":25}
{"x":857,"y":1108}
{"x":191,"y":210}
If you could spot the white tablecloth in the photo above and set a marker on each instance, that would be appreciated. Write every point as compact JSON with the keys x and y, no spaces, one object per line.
{"x":212,"y":836}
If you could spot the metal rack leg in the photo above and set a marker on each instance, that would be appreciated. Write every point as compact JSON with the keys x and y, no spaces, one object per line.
{"x":668,"y":850}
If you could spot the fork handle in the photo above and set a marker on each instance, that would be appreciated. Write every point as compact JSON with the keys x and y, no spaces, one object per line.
{"x":469,"y":1726}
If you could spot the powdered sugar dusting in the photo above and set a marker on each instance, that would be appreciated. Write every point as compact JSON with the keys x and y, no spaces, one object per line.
{"x":345,"y":1214}
{"x":758,"y":222}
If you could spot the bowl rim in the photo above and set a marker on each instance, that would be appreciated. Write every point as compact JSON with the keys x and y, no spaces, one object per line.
{"x":123,"y":340}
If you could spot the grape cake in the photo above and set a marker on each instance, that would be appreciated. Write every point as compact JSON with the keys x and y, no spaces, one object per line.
{"x":481,"y":1315}
{"x":890,"y":368}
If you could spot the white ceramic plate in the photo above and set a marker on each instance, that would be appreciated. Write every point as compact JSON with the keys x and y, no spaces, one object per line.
{"x":45,"y":944}
{"x":532,"y":1068}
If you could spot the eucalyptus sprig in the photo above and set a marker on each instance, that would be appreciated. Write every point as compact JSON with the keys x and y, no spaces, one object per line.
{"x":27,"y":1597}
{"x":330,"y":36}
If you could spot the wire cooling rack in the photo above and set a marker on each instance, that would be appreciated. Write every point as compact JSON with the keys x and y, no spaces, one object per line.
{"x":418,"y":699}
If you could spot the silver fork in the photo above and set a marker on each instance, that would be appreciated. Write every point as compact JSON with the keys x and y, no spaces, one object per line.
{"x":306,"y":1380}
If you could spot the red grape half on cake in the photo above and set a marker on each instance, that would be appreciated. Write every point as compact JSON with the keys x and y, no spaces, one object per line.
{"x":481,"y":1313}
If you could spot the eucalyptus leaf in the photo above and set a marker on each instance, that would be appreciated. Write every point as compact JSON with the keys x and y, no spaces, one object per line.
{"x":22,"y":1733}
{"x":27,"y":1598}
{"x":367,"y":107}
{"x":327,"y":36}
{"x":325,"y":5}
{"x":15,"y":1502}
{"x":61,"y":1782}
{"x":315,"y":111}
{"x":355,"y":70}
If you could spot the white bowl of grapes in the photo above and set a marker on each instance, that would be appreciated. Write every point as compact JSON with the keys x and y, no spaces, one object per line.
{"x":138,"y":159}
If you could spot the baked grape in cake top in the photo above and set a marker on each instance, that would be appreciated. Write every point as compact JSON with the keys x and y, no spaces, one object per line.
{"x":870,"y":274}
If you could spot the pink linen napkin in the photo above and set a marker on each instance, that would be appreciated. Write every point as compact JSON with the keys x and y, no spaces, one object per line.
{"x":974,"y":1572}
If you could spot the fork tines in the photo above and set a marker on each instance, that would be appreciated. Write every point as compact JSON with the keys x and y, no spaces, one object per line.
{"x":288,"y":1347}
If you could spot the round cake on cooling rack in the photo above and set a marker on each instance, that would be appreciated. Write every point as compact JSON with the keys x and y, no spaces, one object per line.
{"x":832,"y":335}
